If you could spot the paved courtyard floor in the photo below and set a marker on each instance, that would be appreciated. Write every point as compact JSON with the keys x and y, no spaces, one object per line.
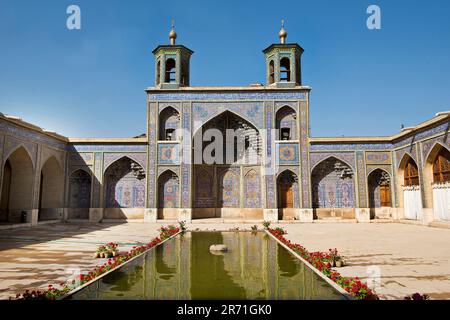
{"x":409,"y":258}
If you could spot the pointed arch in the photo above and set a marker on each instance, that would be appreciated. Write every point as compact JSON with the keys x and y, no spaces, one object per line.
{"x":125,"y":156}
{"x":168,"y":189}
{"x":246,"y":140}
{"x":409,"y":171}
{"x":379,"y":188}
{"x":51,"y":191}
{"x":19,"y":146}
{"x":203,"y":188}
{"x":169,"y":122}
{"x":17,"y":185}
{"x":333,"y":184}
{"x":331,"y":157}
{"x":124,"y":184}
{"x":286,"y":123}
{"x":434,"y":151}
{"x":287,"y":186}
{"x":252,"y":189}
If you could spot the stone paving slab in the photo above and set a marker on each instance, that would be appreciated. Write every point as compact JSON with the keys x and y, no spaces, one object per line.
{"x":411,"y":258}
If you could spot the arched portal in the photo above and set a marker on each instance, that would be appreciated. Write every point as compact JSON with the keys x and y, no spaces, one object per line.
{"x":168,"y":195}
{"x":333,"y":189}
{"x":51,"y":194}
{"x":17,"y":186}
{"x":379,"y":189}
{"x":437,"y":175}
{"x":410,"y":195}
{"x":124,"y":182}
{"x":287,"y":187}
{"x":224,"y":150}
{"x":79,"y":194}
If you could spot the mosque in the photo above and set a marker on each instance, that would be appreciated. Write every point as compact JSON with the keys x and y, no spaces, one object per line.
{"x":265,"y":166}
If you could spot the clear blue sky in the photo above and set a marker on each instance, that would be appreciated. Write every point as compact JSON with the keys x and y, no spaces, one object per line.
{"x":90,"y":83}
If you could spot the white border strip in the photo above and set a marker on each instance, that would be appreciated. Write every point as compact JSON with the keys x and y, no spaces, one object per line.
{"x":309,"y":265}
{"x":108,"y":272}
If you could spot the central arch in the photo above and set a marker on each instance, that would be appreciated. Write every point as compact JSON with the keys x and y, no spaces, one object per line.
{"x":379,"y":190}
{"x":287,"y":195}
{"x":223,"y":166}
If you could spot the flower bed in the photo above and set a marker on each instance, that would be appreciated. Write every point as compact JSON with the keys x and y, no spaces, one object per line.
{"x":52,"y":293}
{"x":321,"y":261}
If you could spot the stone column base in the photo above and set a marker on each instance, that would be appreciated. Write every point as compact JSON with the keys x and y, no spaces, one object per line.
{"x":95,"y":215}
{"x":271,"y":215}
{"x":33,"y":217}
{"x":150,"y":214}
{"x":185,"y":215}
{"x":305,"y":215}
{"x":362,"y":215}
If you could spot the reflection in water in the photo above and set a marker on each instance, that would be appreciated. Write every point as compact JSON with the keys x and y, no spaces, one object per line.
{"x":256,"y":267}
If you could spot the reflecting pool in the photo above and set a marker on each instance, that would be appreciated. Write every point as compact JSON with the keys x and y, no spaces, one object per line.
{"x":255,"y":267}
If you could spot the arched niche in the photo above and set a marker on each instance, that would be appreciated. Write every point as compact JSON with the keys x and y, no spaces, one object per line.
{"x":379,"y":191}
{"x":51,"y":191}
{"x":17,"y":186}
{"x":286,"y":123}
{"x":333,"y":189}
{"x":79,"y":200}
{"x":169,"y":123}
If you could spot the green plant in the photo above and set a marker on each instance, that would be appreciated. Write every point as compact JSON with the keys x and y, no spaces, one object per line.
{"x":182,"y":225}
{"x":255,"y":228}
{"x":266,"y":224}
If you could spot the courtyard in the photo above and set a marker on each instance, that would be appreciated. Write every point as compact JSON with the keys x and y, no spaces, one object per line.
{"x":410,"y":258}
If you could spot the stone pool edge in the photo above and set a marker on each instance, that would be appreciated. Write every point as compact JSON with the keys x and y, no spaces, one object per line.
{"x":309,"y":265}
{"x":75,"y":290}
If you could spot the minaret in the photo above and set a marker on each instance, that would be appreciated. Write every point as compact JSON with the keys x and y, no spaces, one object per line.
{"x":172,"y":63}
{"x":283,"y":62}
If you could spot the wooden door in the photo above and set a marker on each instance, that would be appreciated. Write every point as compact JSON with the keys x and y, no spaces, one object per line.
{"x":286,"y":196}
{"x":385,"y":196}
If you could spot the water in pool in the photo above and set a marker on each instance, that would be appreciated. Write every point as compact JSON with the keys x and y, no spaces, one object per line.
{"x":255,"y":267}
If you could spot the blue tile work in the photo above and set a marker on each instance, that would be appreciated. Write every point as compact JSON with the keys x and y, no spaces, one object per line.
{"x":228,"y":96}
{"x":252,"y":189}
{"x":140,"y":158}
{"x":347,"y":157}
{"x":427,"y":146}
{"x":444,"y":127}
{"x":168,"y":153}
{"x":98,"y":181}
{"x":349,"y":146}
{"x":22,"y":132}
{"x":185,"y":166}
{"x":108,"y":147}
{"x":304,"y":158}
{"x":361,"y":173}
{"x":410,"y":150}
{"x":270,"y":186}
{"x":287,"y":153}
{"x":152,"y":156}
{"x":250,"y":111}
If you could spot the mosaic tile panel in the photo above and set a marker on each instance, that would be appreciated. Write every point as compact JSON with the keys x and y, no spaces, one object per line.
{"x":378,"y":157}
{"x":252,"y":189}
{"x":347,"y":157}
{"x":77,"y":159}
{"x":385,"y":167}
{"x":168,"y":153}
{"x":168,"y":185}
{"x":140,"y":158}
{"x":304,"y":158}
{"x":229,"y":188}
{"x":227,"y":96}
{"x":12,"y":144}
{"x":123,"y":188}
{"x":152,"y":156}
{"x":429,"y":144}
{"x":98,"y":179}
{"x":361,"y":172}
{"x":270,"y":185}
{"x":330,"y":189}
{"x":349,"y":146}
{"x":287,"y":153}
{"x":108,"y":147}
{"x":250,"y":111}
{"x":204,"y":188}
{"x":185,"y":165}
{"x":410,"y":150}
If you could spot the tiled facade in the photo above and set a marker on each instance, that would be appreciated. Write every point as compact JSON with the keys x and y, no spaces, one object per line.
{"x":155,"y":176}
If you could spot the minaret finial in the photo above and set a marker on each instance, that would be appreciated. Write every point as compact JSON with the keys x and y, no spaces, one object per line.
{"x":282,"y":34}
{"x":172,"y":33}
